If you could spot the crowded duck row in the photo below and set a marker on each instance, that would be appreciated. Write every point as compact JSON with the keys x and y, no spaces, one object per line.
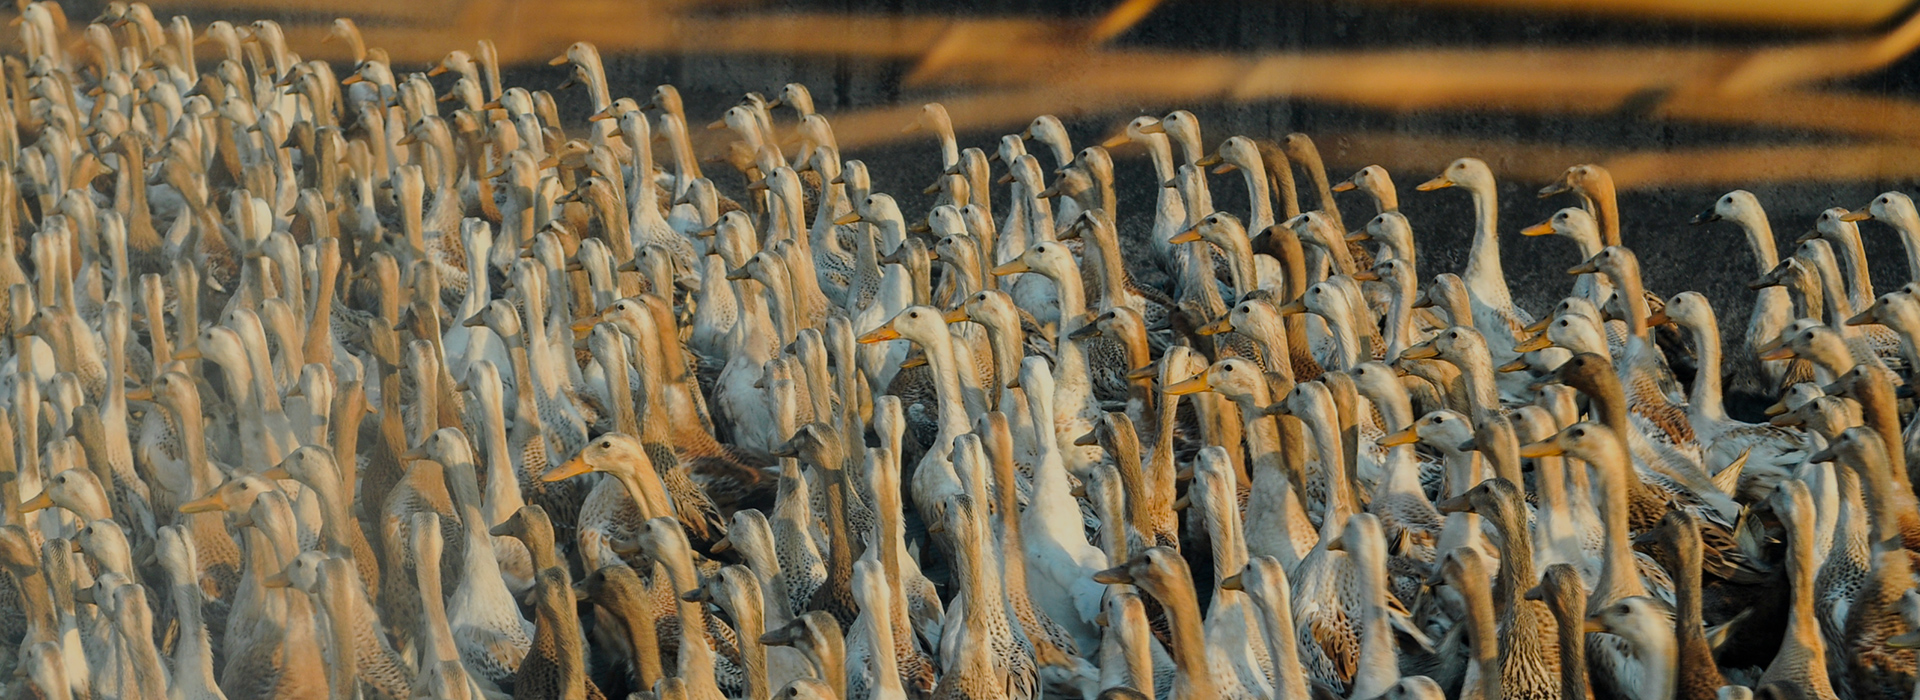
{"x":396,"y":382}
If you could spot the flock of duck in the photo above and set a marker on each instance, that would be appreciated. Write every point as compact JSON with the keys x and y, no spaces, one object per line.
{"x":404,"y":386}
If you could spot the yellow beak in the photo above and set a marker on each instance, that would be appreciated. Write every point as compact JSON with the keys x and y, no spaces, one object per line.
{"x":1208,"y":161}
{"x":1215,"y":328}
{"x":559,"y":60}
{"x":1780,"y":353}
{"x":1011,"y":268}
{"x":1293,"y":308}
{"x":1399,"y":437}
{"x":276,"y":474}
{"x":1540,"y":229}
{"x":1419,"y":352}
{"x":1344,"y":185}
{"x":1191,"y":386}
{"x":1440,"y":182}
{"x":851,"y":217}
{"x":278,"y":580}
{"x":1519,"y":365}
{"x":574,"y":467}
{"x":1538,"y":342}
{"x":882,"y":333}
{"x":213,"y":502}
{"x":1861,"y":214}
{"x":1116,"y":141}
{"x":1188,"y":236}
{"x":1543,"y":448}
{"x":956,"y":315}
{"x":44,"y":500}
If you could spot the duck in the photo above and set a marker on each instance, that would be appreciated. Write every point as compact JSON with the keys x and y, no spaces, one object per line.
{"x":1493,"y":311}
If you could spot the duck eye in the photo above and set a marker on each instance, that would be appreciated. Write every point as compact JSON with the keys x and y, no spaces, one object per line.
{"x":606,"y":444}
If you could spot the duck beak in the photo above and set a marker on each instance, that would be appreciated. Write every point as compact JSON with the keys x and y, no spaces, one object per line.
{"x":1861,"y":214}
{"x":140,"y":394}
{"x":1088,"y":440}
{"x":1194,"y":385}
{"x":1543,"y":448}
{"x":1118,"y":574}
{"x":1826,"y":455}
{"x":355,"y":78}
{"x":1909,"y":640}
{"x":1338,"y":543}
{"x":1538,"y":342}
{"x":278,"y":580}
{"x":697,"y":595}
{"x":1344,"y":186}
{"x":1153,"y":128}
{"x":1440,"y":182}
{"x":213,"y":502}
{"x":1366,"y":276}
{"x":1293,"y":308}
{"x":1215,"y":328}
{"x":1519,"y":365}
{"x":1419,"y":352}
{"x":574,"y":467}
{"x":919,"y":360}
{"x":1233,"y":583}
{"x":40,"y":502}
{"x":1398,"y":438}
{"x":192,"y":353}
{"x":1859,"y":319}
{"x":956,"y":315}
{"x":413,"y":455}
{"x":1011,"y":268}
{"x":738,"y":273}
{"x":1540,"y":229}
{"x":1587,"y":267}
{"x":1457,"y":504}
{"x":276,"y":474}
{"x":1536,"y":593}
{"x":1084,"y":332}
{"x":882,"y":333}
{"x":1593,"y":624}
{"x":1188,"y":236}
{"x":1116,"y":141}
{"x":1359,"y":235}
{"x":1659,"y":318}
{"x":1777,"y":408}
{"x":851,"y":217}
{"x":1780,"y":353}
{"x":1211,"y":160}
{"x":1147,"y":371}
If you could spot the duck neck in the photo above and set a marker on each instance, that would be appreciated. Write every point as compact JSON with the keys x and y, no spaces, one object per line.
{"x":1619,"y":578}
{"x":1379,"y":664}
{"x":696,"y":657}
{"x":1189,"y":648}
{"x":1854,"y":256}
{"x":1694,"y":655}
{"x":686,"y":167}
{"x":1705,"y":402}
{"x":946,"y":385}
{"x":1484,"y":277}
{"x":641,"y":620}
{"x":1803,"y":627}
{"x":1906,"y":221}
{"x":886,"y":669}
{"x":1259,"y":197}
{"x":192,"y":651}
{"x":1484,"y":630}
{"x":1113,"y":268}
{"x":1605,"y":206}
{"x":744,"y":607}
